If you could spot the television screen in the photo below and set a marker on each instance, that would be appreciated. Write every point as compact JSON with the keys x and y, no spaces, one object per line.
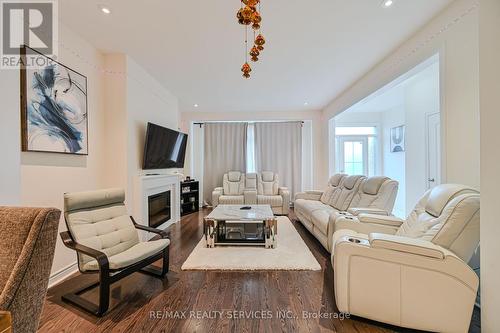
{"x":164,"y":148}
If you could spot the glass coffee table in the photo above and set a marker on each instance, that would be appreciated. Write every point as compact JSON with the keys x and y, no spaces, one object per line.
{"x":232,"y":225}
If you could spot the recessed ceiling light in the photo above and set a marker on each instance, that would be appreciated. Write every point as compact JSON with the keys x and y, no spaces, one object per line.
{"x":105,"y":10}
{"x":306,"y":103}
{"x":388,"y":3}
{"x":196,"y":105}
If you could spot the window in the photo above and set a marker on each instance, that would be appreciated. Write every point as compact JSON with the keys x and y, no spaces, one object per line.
{"x":356,"y":151}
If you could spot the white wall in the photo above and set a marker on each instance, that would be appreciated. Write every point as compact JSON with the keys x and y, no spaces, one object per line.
{"x":132,"y":100}
{"x":115,"y":136}
{"x":319,"y":160}
{"x":46,"y":176}
{"x":10,"y":138}
{"x":489,"y":43}
{"x":454,"y":34}
{"x":394,"y":163}
{"x":421,"y":97}
{"x":147,"y":101}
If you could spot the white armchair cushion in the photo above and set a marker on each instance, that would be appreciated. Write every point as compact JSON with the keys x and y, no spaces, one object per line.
{"x":130,"y":256}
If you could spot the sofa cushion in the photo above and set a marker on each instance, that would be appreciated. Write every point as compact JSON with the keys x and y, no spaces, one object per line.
{"x":342,"y":197}
{"x":267,"y":176}
{"x":233,"y":183}
{"x":336,"y":179}
{"x":372,"y":185}
{"x":231,"y":200}
{"x":327,"y":195}
{"x":320,"y":220}
{"x":273,"y":200}
{"x":234,"y":176}
{"x":441,"y":195}
{"x":134,"y":254}
{"x":268,"y":183}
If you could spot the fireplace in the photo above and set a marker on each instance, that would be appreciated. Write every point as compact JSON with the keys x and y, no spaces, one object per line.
{"x":159,"y":209}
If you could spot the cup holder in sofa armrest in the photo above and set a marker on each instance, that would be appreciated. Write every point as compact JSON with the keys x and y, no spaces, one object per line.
{"x":357,"y":241}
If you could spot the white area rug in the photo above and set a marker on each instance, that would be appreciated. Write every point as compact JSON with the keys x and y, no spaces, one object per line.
{"x":290,"y":254}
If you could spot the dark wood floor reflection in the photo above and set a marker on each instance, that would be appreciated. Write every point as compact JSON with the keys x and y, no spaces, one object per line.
{"x":198,"y":295}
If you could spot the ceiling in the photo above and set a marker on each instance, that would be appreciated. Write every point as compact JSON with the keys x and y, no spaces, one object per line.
{"x":315,"y":49}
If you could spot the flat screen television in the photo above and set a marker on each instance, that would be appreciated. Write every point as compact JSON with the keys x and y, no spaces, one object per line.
{"x":164,"y":148}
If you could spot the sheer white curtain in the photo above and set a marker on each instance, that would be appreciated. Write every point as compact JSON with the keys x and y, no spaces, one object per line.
{"x":278,"y":148}
{"x":224,"y":150}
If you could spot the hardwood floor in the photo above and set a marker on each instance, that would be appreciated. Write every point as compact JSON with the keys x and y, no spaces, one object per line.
{"x":141,"y":303}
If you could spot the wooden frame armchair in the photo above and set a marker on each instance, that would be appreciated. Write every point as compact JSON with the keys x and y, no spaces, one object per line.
{"x":107,"y":242}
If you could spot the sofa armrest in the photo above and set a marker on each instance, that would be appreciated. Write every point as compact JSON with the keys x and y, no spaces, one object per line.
{"x":392,"y":221}
{"x":250,"y":197}
{"x":360,"y":210}
{"x":285,"y":194}
{"x":309,"y":195}
{"x":216,"y":193}
{"x":399,"y":270}
{"x":407,"y":245}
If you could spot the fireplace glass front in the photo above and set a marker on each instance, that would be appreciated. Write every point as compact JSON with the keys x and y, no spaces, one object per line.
{"x":159,"y":209}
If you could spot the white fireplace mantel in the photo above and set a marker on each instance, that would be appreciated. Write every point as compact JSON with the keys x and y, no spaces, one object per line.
{"x":150,"y":185}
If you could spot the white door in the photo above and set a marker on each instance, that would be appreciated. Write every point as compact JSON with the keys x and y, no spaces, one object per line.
{"x":353,"y":155}
{"x":433,"y":150}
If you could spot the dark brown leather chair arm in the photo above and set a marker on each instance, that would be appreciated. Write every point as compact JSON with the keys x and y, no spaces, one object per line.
{"x":162,"y":233}
{"x":101,"y":257}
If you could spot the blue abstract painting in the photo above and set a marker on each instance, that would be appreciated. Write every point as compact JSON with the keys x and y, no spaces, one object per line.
{"x":55,"y":110}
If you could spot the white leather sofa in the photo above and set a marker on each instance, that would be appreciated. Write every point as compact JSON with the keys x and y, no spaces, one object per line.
{"x":411,"y":273}
{"x":318,"y":210}
{"x":252,"y":188}
{"x":232,"y":191}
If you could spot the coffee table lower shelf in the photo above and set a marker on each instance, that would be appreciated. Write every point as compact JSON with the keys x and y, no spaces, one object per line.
{"x":240,"y":232}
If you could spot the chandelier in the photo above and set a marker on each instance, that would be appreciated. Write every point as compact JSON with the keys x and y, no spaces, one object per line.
{"x":249,"y":15}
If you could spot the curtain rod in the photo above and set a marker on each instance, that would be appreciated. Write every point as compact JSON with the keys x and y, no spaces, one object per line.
{"x":214,"y":122}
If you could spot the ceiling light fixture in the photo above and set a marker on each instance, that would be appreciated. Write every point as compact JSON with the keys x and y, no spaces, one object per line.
{"x":196,"y":105}
{"x":249,"y":15}
{"x":306,"y":104}
{"x":105,"y":10}
{"x":388,"y":3}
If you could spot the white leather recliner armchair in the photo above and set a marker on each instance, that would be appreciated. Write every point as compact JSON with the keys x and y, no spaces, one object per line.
{"x":232,"y":190}
{"x":270,"y":193}
{"x":411,"y":273}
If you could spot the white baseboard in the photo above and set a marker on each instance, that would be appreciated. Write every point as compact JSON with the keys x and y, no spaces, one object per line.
{"x":62,"y":274}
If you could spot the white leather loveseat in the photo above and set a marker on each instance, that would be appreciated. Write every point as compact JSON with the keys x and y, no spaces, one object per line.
{"x":318,"y":210}
{"x":262,"y":188}
{"x":411,"y":273}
